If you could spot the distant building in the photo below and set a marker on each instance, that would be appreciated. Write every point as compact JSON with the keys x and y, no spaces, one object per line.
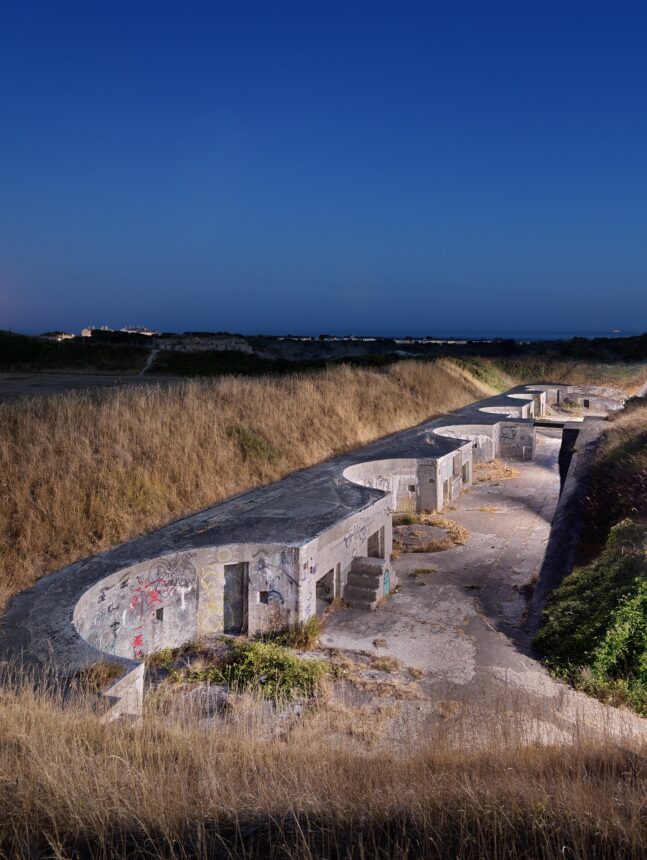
{"x":87,"y":332}
{"x":137,"y":329}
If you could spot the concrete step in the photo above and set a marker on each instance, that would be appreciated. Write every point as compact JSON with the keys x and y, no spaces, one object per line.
{"x":364,"y":605}
{"x":355,"y":592}
{"x":365,"y":564}
{"x":364,"y":581}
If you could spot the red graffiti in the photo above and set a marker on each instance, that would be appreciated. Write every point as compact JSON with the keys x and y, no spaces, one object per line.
{"x":138,"y":645}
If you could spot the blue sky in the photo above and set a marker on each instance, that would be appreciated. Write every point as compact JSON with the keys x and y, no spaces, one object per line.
{"x":323,"y":166}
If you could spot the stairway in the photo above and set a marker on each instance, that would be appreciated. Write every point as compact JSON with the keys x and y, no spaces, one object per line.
{"x":365,"y":584}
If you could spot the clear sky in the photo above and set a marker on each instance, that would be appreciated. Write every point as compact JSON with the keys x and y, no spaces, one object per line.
{"x":318,"y":166}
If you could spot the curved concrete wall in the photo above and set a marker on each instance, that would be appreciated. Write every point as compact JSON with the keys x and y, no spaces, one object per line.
{"x":398,"y":478}
{"x":484,"y":438}
{"x":167,"y":601}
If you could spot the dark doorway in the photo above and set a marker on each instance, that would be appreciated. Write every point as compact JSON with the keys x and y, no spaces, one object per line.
{"x":235,"y":599}
{"x":375,"y":544}
{"x":325,"y":591}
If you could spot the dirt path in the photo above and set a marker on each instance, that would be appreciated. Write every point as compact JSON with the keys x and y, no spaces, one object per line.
{"x":462,"y":623}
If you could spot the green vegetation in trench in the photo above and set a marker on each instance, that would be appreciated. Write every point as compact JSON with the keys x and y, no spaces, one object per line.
{"x":595,"y":631}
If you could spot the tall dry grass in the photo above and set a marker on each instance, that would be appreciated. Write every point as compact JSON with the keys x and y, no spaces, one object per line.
{"x":73,"y":787}
{"x":82,"y":471}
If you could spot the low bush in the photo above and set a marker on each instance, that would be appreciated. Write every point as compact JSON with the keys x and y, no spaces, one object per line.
{"x":265,"y":667}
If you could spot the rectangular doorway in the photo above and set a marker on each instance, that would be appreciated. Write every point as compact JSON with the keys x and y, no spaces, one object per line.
{"x":235,"y":599}
{"x":375,"y":544}
{"x":325,"y":588}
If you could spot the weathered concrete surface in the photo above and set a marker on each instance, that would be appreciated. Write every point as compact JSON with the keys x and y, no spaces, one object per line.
{"x":464,"y":623}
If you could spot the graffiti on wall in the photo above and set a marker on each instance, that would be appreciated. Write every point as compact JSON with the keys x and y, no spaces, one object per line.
{"x":273,"y":576}
{"x":357,"y":533}
{"x":125,"y":609}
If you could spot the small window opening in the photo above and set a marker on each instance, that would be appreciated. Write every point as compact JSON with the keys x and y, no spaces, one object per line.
{"x":412,"y":488}
{"x":263,"y":597}
{"x":159,"y":614}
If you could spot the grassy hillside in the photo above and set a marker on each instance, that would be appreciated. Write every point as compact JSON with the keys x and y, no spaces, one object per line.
{"x":619,"y":476}
{"x":626,"y":376}
{"x":595,"y":631}
{"x":80,"y":472}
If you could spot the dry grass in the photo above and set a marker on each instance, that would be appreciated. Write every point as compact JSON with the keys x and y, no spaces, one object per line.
{"x":80,"y":472}
{"x":72,"y":787}
{"x":386,"y":664}
{"x":495,"y":471}
{"x":626,"y":376}
{"x":455,"y":533}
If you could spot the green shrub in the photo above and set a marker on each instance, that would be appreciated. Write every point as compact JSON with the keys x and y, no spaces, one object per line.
{"x":595,"y":630}
{"x":622,"y":655}
{"x":266,"y":667}
{"x":581,"y":609}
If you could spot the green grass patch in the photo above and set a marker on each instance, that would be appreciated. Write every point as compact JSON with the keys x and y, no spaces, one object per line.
{"x":595,"y":630}
{"x":483,"y":371}
{"x":264,"y":667}
{"x":253,"y":446}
